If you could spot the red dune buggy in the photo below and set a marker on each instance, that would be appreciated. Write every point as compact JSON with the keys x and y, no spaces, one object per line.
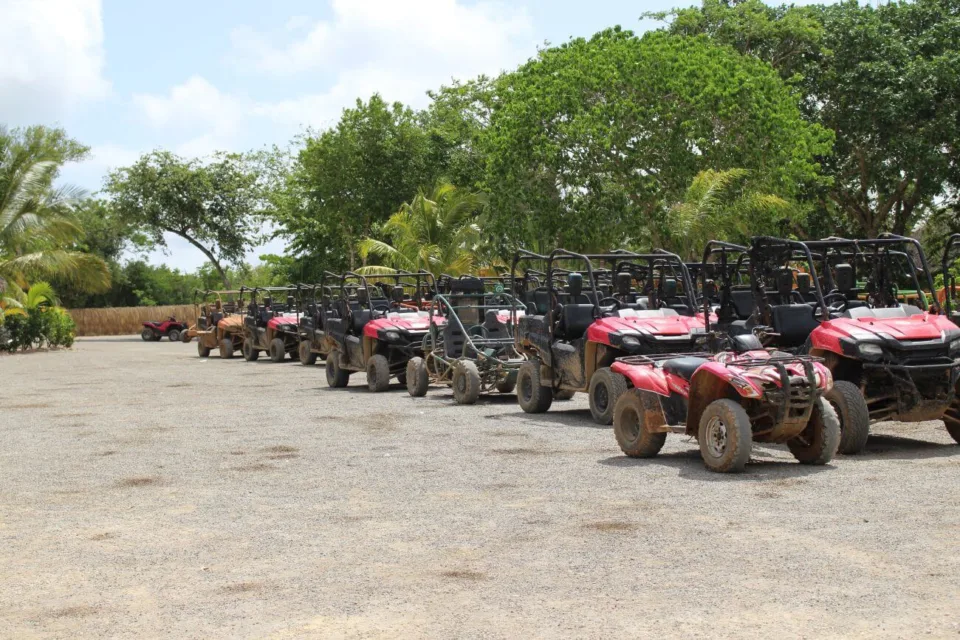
{"x":170,"y":328}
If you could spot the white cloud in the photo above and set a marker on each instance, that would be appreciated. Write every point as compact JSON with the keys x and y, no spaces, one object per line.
{"x":194,"y":104}
{"x":51,"y":58}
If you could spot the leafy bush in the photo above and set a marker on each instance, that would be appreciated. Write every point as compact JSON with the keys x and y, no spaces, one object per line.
{"x":50,"y":326}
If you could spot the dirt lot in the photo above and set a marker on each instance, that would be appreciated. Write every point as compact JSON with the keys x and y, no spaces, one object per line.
{"x":145,"y":492}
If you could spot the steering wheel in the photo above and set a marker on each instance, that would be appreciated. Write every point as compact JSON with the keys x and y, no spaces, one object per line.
{"x":616,"y":304}
{"x":835,"y":307}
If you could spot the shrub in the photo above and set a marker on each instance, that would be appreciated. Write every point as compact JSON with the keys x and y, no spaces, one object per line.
{"x":35,"y":328}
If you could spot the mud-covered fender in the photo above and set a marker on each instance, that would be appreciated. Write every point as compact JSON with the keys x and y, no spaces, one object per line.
{"x":645,"y":378}
{"x":714,"y":381}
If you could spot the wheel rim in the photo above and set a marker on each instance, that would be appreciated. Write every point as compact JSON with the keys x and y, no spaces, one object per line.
{"x":601,"y":397}
{"x":630,"y":424}
{"x":716,"y":437}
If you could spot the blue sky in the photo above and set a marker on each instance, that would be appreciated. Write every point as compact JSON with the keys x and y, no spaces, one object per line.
{"x":125,"y":77}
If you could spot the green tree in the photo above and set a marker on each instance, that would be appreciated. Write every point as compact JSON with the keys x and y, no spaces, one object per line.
{"x":347,"y":180}
{"x":883,"y":78}
{"x":217,"y":206}
{"x":38,"y":223}
{"x":718,"y":204}
{"x":456,"y":122}
{"x":435,"y":232}
{"x":588,"y":140}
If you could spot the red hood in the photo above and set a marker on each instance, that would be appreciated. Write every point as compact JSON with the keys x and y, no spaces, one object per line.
{"x":286,"y":318}
{"x":409,"y":321}
{"x":600,"y":330}
{"x":923,"y":326}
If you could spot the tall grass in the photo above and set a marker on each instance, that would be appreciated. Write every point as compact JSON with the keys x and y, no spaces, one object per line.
{"x":119,"y":321}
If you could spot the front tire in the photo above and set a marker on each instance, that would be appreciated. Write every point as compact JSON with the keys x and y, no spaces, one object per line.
{"x":508,"y":384}
{"x":725,"y":436}
{"x":606,"y":387}
{"x":951,"y":420}
{"x":249,"y":353}
{"x":226,"y":348}
{"x":378,"y":373}
{"x":818,"y":443}
{"x":202,"y":350}
{"x":854,"y":416}
{"x":146,"y":335}
{"x":337,"y":378}
{"x":185,"y":337}
{"x":307,"y":356}
{"x":531,"y":394}
{"x":278,"y":350}
{"x":630,"y":429}
{"x":417,"y":377}
{"x":466,"y":382}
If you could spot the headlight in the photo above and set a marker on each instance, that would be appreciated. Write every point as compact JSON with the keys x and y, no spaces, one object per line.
{"x":744,"y":388}
{"x":631,"y":341}
{"x":955,"y":348}
{"x":393,"y":336}
{"x":870,"y":351}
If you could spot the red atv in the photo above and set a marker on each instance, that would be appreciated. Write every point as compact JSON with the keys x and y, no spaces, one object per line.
{"x":376,"y":329}
{"x":171,"y":328}
{"x":890,"y":360}
{"x":727,"y":401}
{"x":571,"y":338}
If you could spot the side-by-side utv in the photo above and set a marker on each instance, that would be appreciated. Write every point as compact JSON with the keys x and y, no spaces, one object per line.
{"x":270,"y":325}
{"x":219,"y":322}
{"x":473,"y":349}
{"x":572,"y":335}
{"x":376,"y":327}
{"x":314,"y":298}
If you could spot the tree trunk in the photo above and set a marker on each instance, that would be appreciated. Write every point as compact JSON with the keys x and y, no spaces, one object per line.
{"x":213,"y":260}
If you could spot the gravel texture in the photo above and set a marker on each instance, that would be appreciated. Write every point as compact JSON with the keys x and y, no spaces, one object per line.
{"x":145,"y":492}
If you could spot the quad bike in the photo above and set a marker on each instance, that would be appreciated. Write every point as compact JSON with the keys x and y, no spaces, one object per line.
{"x":155,"y":331}
{"x":889,"y":360}
{"x":473,"y":351}
{"x":376,"y":329}
{"x":571,"y":337}
{"x":219,"y":322}
{"x":269,"y":326}
{"x":313,"y":343}
{"x":727,"y":401}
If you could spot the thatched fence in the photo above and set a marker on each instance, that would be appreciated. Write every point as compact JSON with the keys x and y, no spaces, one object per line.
{"x":120,"y":321}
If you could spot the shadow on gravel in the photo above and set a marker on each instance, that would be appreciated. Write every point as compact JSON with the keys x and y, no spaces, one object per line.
{"x":113,"y":339}
{"x":446,"y":396}
{"x":690,"y":465}
{"x":572,"y":418}
{"x":363,"y":389}
{"x":885,"y":447}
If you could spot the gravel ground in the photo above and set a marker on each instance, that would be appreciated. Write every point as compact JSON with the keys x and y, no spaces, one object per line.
{"x":145,"y":492}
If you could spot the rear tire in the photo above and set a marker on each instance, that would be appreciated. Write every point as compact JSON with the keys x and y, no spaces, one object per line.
{"x":507,"y":385}
{"x":606,"y":387}
{"x":417,"y":378}
{"x":307,"y":356}
{"x":854,"y":416}
{"x":564,"y":394}
{"x":725,"y":436}
{"x":466,"y":382}
{"x":146,"y":335}
{"x":249,"y":353}
{"x":378,"y":373}
{"x":532,"y":396}
{"x":951,"y":420}
{"x":185,"y":337}
{"x":278,"y":350}
{"x":337,"y":378}
{"x":174,"y":335}
{"x":202,"y":351}
{"x":629,"y":427}
{"x":818,"y":443}
{"x":226,"y":348}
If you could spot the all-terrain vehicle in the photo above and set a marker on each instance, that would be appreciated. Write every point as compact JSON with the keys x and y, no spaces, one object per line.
{"x":314,"y":298}
{"x":170,"y":328}
{"x":377,"y":328}
{"x":219,"y":322}
{"x":889,"y":360}
{"x":269,"y":325}
{"x":571,"y":336}
{"x":473,"y":350}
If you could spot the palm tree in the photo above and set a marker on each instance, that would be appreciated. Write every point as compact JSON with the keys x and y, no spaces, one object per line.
{"x":435,"y":232}
{"x":37,"y":225}
{"x":720,"y":205}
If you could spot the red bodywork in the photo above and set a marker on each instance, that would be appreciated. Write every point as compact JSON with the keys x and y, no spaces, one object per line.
{"x":284,"y":318}
{"x":419,"y":321}
{"x":923,"y":326}
{"x":667,"y":326}
{"x":165,"y":326}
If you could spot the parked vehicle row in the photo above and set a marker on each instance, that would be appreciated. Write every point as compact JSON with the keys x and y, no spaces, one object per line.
{"x":801,"y":343}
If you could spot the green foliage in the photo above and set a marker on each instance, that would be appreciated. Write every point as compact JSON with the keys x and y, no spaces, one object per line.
{"x":883,"y":78}
{"x":35,"y":321}
{"x":435,"y":232}
{"x":38,"y":224}
{"x":588,"y":140}
{"x":214,"y":205}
